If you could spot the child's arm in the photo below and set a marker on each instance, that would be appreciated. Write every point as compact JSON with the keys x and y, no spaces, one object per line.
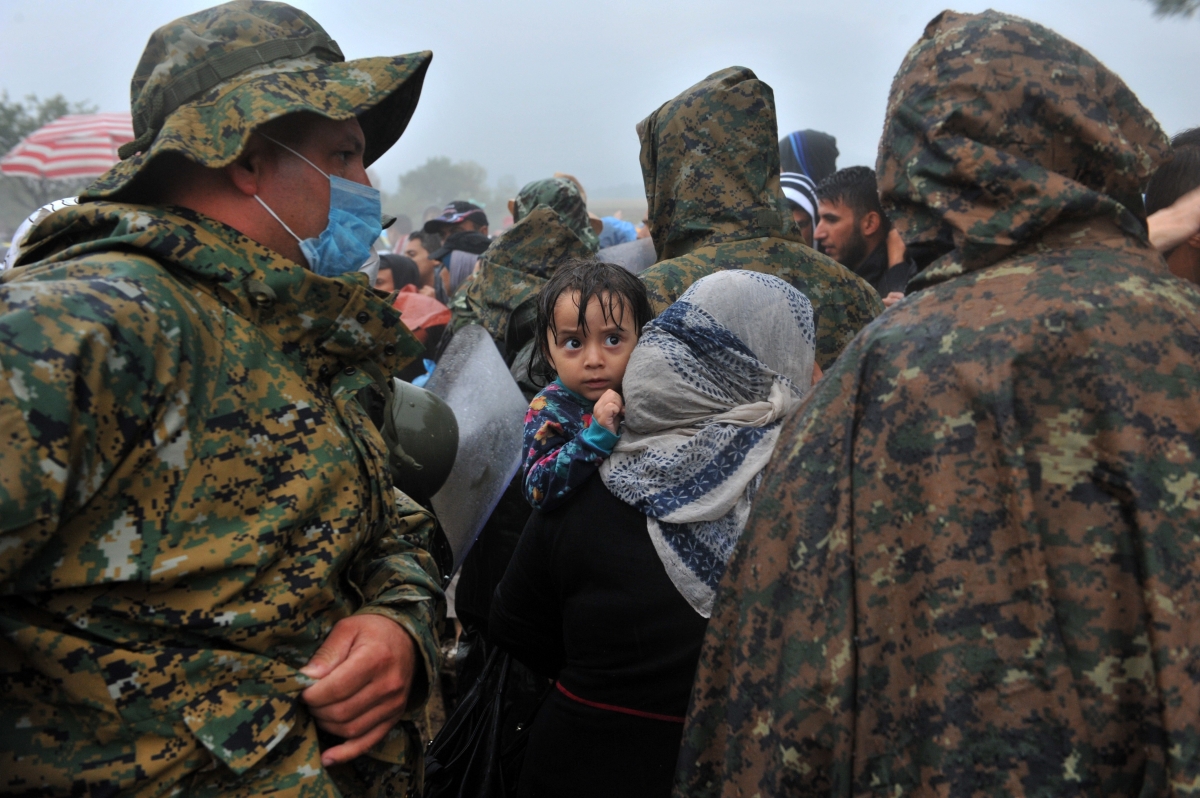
{"x":556,"y":464}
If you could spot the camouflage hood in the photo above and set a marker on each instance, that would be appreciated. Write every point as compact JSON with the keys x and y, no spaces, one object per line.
{"x":514,"y":269}
{"x":711,"y":165}
{"x":1000,"y":128}
{"x":564,"y":199}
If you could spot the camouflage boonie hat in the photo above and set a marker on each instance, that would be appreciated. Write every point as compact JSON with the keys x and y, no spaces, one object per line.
{"x":207,"y":80}
{"x":563,"y":198}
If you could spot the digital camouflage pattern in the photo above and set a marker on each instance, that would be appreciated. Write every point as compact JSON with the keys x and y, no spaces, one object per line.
{"x":973,"y":567}
{"x":711,"y":165}
{"x":564,"y":197}
{"x":513,"y":270}
{"x":211,"y":122}
{"x":190,"y":497}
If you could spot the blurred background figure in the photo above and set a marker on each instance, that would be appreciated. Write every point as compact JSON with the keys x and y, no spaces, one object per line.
{"x":395,"y":272}
{"x":417,"y":246}
{"x":1173,"y":202}
{"x":463,"y":227}
{"x":810,"y":153}
{"x":801,"y":195}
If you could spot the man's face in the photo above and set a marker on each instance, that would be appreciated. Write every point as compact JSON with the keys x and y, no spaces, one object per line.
{"x":294,"y":189}
{"x":839,"y":235}
{"x":466,"y":226}
{"x":420,"y":256}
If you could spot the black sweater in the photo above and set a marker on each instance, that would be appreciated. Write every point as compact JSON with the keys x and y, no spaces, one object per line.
{"x":587,"y":601}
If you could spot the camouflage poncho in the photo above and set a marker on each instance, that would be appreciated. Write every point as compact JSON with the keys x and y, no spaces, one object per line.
{"x":190,"y":498}
{"x":973,"y":567}
{"x":711,"y":165}
{"x":513,"y":270}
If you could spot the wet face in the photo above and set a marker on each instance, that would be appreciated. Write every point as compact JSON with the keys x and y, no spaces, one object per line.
{"x":839,"y":234}
{"x":590,"y":360}
{"x":425,"y":265}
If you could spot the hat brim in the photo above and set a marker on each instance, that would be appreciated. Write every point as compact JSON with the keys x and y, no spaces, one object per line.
{"x":214,"y":129}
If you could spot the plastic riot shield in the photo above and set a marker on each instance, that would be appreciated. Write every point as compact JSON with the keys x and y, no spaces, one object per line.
{"x":474,"y":381}
{"x":636,"y":256}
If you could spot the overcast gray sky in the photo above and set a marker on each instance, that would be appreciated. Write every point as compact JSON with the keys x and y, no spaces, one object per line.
{"x":527,"y":88}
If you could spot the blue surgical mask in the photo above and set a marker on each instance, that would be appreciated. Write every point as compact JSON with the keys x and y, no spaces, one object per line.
{"x":354,"y":225}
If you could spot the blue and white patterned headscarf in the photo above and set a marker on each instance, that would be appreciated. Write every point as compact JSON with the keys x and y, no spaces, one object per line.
{"x":705,"y":392}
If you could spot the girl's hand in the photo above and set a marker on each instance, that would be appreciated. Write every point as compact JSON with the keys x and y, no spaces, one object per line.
{"x":608,"y":410}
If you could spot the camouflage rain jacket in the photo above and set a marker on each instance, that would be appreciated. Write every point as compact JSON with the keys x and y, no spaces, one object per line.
{"x":711,"y":165}
{"x":552,"y":226}
{"x":190,"y":498}
{"x":973,"y":567}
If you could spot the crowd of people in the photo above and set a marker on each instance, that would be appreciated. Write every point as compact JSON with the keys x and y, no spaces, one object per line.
{"x":834,"y":481}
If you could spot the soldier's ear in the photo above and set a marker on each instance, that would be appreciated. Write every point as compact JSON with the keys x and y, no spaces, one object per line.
{"x":246,"y":172}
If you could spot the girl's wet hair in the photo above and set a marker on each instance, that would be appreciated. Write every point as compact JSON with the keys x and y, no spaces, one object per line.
{"x":620,"y":293}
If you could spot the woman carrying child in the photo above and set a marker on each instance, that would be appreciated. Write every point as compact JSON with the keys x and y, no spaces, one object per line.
{"x":609,"y":592}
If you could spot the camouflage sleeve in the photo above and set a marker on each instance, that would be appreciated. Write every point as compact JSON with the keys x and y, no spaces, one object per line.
{"x":399,"y":579}
{"x":85,"y":368}
{"x":462,"y":309}
{"x":844,"y":306}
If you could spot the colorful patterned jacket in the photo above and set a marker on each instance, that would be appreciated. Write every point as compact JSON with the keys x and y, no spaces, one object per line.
{"x":563,"y":447}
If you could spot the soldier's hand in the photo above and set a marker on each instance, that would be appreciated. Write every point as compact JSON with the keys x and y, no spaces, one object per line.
{"x":365,"y":670}
{"x":608,"y":409}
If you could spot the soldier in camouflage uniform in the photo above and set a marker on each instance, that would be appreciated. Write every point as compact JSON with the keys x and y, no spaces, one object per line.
{"x":551,"y":227}
{"x":208,"y":583}
{"x":973,"y":567}
{"x":711,"y":165}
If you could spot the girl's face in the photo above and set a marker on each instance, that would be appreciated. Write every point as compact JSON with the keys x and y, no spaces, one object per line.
{"x":590,"y":361}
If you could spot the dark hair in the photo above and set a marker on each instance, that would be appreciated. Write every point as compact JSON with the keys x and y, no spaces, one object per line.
{"x":1177,"y":176}
{"x":404,"y":270}
{"x":618,"y":290}
{"x":855,"y":188}
{"x":432,"y":242}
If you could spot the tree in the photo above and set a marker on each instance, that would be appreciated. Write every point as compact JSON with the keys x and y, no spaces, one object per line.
{"x":439,"y":180}
{"x":21,"y":196}
{"x":1170,"y":8}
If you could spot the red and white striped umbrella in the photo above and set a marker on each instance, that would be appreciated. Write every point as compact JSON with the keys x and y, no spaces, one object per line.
{"x":70,"y":147}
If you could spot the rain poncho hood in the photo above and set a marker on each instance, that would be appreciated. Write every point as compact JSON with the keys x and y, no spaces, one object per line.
{"x":973,"y":565}
{"x":736,"y":193}
{"x":711,"y":166}
{"x":999,"y":154}
{"x":564,"y":198}
{"x":513,"y":270}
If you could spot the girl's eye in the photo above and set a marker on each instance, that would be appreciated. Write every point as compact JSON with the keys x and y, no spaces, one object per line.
{"x":571,"y":343}
{"x":613,"y":340}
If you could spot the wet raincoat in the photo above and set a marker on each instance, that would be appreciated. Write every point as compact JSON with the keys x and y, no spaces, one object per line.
{"x":973,"y":567}
{"x":711,"y":165}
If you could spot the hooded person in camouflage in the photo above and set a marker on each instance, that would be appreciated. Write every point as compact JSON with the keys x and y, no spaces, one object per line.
{"x":551,"y":227}
{"x":208,"y":583}
{"x":973,"y":567}
{"x":711,"y":166}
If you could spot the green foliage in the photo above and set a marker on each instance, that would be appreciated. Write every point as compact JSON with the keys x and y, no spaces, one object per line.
{"x":1171,"y":8}
{"x":21,"y":196}
{"x":439,"y":180}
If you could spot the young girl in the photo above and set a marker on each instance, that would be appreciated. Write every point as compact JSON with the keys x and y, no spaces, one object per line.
{"x":589,"y":317}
